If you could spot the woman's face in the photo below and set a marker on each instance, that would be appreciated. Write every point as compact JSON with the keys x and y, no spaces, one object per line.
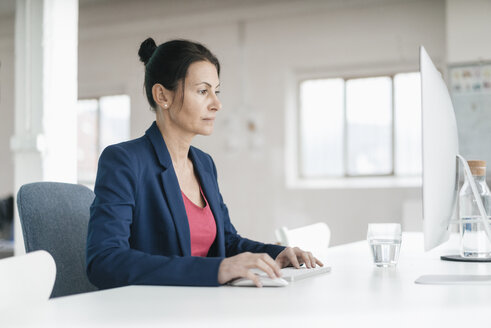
{"x":196,"y":114}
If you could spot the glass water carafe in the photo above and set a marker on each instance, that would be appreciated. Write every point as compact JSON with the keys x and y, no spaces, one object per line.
{"x":475,"y":241}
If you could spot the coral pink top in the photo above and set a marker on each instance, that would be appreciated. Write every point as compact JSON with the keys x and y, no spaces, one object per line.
{"x":202,"y":226}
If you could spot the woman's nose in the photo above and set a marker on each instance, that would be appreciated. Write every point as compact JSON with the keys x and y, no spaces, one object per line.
{"x":217,"y":104}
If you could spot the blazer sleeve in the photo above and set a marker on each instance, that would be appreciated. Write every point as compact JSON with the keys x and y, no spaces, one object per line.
{"x":236,"y":244}
{"x":110,"y":260}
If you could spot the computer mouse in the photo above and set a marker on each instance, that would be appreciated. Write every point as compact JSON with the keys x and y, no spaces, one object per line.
{"x":266,"y":281}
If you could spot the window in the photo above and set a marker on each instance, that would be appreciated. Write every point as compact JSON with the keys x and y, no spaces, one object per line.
{"x":360,"y":127}
{"x":100,"y":123}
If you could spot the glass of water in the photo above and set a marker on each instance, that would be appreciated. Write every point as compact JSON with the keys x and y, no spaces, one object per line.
{"x":385,"y":242}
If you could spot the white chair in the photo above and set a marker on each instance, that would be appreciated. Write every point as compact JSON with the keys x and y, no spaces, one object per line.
{"x":26,"y":279}
{"x":314,"y":237}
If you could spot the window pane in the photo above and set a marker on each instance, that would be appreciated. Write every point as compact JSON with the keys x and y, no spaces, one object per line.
{"x":114,"y":120}
{"x":407,"y":102}
{"x":321,"y":127}
{"x":87,"y":151}
{"x":369,"y":125}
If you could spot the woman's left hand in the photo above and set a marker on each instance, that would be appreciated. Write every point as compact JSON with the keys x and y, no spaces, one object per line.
{"x":294,"y":256}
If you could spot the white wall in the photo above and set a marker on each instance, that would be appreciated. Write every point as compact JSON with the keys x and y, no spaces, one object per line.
{"x":469,"y":42}
{"x":468,"y":31}
{"x":351,"y":39}
{"x":281,"y":38}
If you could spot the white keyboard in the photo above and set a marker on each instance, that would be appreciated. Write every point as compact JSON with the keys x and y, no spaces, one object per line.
{"x":289,"y":274}
{"x":454,"y":279}
{"x":292,"y":274}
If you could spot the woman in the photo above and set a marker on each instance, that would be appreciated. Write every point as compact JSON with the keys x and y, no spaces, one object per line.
{"x":158,"y":217}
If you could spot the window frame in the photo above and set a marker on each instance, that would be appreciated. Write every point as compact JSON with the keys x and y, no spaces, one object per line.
{"x":90,"y":183}
{"x":294,"y":178}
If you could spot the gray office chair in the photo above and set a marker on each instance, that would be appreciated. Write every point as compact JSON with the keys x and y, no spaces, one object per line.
{"x":54,"y":217}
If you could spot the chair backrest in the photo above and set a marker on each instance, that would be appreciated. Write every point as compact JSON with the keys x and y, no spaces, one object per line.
{"x":26,"y":279}
{"x":55,"y":217}
{"x":314,"y":237}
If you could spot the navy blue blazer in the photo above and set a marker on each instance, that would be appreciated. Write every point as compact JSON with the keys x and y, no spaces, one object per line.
{"x":138,"y":231}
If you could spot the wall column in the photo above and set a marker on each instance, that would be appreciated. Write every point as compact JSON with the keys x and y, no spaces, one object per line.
{"x":44,"y":143}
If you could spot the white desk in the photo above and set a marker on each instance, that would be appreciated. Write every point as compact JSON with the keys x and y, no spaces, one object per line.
{"x":354,"y":294}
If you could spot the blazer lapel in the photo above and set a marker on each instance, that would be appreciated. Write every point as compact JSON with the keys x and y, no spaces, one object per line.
{"x":174,"y":201}
{"x":208,"y":182}
{"x":172,"y":191}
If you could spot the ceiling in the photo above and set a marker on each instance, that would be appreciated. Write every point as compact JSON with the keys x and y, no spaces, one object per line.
{"x":7,"y":7}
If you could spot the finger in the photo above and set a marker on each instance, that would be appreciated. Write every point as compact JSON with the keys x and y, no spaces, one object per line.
{"x":303,"y":256}
{"x":312,"y":259}
{"x":254,"y":277}
{"x":318,"y":262}
{"x":293,"y":258}
{"x":272,"y":264}
{"x":306,"y":258}
{"x":261,"y":264}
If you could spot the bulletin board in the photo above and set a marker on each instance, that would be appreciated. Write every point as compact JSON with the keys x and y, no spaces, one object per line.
{"x":470,"y":90}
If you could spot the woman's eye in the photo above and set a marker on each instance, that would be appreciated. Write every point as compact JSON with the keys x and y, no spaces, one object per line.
{"x":203,"y":92}
{"x":217,"y":92}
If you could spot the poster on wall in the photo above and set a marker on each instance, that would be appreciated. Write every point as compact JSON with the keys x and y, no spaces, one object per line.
{"x":470,"y":89}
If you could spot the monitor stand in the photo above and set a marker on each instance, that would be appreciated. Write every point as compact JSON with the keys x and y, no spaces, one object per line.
{"x":459,"y":258}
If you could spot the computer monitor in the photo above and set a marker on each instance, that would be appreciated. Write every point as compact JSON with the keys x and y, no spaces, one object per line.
{"x":440,"y":170}
{"x":441,"y":159}
{"x":440,"y":150}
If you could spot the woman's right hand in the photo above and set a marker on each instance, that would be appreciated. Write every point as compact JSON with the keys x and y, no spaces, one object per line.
{"x":239,"y":266}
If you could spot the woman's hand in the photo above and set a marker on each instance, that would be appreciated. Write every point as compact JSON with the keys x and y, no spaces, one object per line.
{"x":295,"y":257}
{"x":239,"y":266}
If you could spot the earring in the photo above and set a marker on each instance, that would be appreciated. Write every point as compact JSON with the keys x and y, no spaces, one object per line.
{"x":165,"y":105}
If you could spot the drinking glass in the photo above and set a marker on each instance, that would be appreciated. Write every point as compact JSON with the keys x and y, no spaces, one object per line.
{"x":385,"y":242}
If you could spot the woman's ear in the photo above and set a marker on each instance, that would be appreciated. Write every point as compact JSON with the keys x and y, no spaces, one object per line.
{"x":161,"y":96}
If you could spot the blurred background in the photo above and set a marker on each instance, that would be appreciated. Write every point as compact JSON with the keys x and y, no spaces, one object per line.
{"x":321,"y":99}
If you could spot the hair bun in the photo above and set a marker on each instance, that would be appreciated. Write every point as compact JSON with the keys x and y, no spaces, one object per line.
{"x":147,"y":48}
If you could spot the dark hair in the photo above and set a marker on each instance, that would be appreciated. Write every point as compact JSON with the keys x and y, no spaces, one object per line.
{"x":168,"y":63}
